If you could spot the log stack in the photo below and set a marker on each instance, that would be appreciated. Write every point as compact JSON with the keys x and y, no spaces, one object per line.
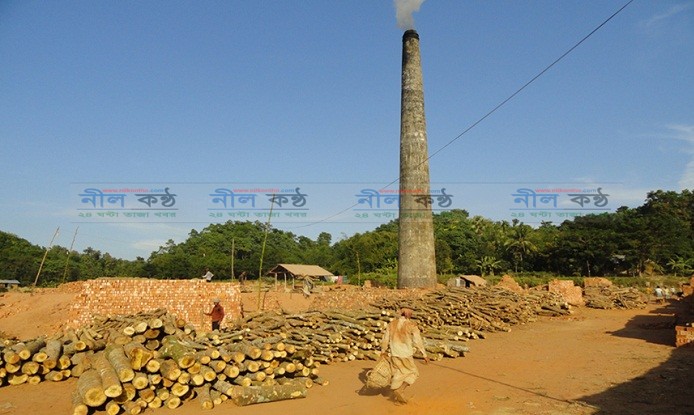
{"x":125,"y":364}
{"x":610,"y":297}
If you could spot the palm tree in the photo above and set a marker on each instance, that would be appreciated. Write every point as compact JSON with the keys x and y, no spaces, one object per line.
{"x":487,"y":265}
{"x":519,"y":244}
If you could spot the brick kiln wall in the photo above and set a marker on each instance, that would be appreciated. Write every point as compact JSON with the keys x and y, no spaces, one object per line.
{"x":186,"y":299}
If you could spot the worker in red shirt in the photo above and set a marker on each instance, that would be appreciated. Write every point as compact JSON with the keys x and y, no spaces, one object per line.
{"x":216,"y":314}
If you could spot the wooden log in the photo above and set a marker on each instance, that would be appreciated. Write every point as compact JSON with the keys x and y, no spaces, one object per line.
{"x":231,"y":371}
{"x":54,"y":349}
{"x":217,"y":397}
{"x":78,"y":405}
{"x":156,"y":323}
{"x":40,"y":356}
{"x":184,"y":378}
{"x":141,"y":327}
{"x":13,"y":368}
{"x":30,"y":348}
{"x":153,"y":365}
{"x":203,"y":393}
{"x":17,"y":379}
{"x":139,"y":338}
{"x":151,"y":334}
{"x":198,"y":379}
{"x":153,"y":344}
{"x":54,"y":376}
{"x":140,"y":381}
{"x":138,"y":355}
{"x":146,"y":395}
{"x":129,"y":393}
{"x":154,"y":379}
{"x":320,"y":381}
{"x":30,"y":368}
{"x":249,"y":350}
{"x":208,"y":373}
{"x":250,"y":395}
{"x":155,"y":403}
{"x":90,"y":388}
{"x":217,"y":365}
{"x":179,"y":390}
{"x":163,"y":393}
{"x":120,"y":362}
{"x":172,"y":402}
{"x":112,"y":408}
{"x":303,"y":380}
{"x":131,"y":408}
{"x":252,"y":366}
{"x":194,"y":368}
{"x":242,"y":381}
{"x":173,"y":348}
{"x":11,"y":357}
{"x":224,"y":387}
{"x":64,"y":362}
{"x":109,"y":378}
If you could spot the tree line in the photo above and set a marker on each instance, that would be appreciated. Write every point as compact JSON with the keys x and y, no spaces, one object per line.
{"x":657,"y":237}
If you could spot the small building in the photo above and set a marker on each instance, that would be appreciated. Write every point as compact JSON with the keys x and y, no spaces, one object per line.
{"x":8,"y":284}
{"x":468,"y":281}
{"x":299,"y":271}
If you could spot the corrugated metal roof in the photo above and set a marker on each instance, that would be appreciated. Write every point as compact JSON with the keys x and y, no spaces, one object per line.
{"x":9,"y":282}
{"x":301,"y":269}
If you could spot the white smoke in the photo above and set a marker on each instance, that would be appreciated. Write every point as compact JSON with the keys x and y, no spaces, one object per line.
{"x":404,"y":10}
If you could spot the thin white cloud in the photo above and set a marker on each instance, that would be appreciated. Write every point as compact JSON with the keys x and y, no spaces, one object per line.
{"x":686,"y":134}
{"x":669,"y":13}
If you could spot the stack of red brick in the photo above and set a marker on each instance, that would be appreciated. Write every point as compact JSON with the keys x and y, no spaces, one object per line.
{"x":684,"y":336}
{"x":186,"y":299}
{"x":566,"y":288}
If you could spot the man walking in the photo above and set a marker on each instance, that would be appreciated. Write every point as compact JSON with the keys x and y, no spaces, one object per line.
{"x":402,"y":336}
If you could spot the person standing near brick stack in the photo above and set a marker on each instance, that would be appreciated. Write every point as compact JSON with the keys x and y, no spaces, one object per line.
{"x":216,"y":314}
{"x":402,"y":336}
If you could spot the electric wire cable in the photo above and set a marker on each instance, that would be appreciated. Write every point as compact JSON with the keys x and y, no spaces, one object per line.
{"x":493,"y":110}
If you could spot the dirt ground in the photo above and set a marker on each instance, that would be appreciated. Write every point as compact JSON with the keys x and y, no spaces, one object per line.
{"x":592,"y":362}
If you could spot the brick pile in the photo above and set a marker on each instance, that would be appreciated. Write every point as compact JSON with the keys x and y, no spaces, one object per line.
{"x":596,"y":282}
{"x":684,"y":335}
{"x":185,"y":299}
{"x":566,"y":288}
{"x":509,"y":283}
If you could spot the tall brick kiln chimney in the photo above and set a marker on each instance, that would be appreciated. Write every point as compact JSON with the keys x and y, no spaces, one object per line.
{"x":416,"y":258}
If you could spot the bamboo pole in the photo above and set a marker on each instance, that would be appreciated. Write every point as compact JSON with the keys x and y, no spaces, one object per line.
{"x":262,"y":251}
{"x":57,"y":231}
{"x":67,"y":260}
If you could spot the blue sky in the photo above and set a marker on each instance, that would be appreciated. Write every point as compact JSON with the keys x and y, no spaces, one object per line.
{"x":196,"y":96}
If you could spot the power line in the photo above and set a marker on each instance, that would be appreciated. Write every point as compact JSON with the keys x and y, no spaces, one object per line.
{"x":496,"y":108}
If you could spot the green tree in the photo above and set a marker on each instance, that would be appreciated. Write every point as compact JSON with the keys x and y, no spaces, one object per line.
{"x":519,"y":243}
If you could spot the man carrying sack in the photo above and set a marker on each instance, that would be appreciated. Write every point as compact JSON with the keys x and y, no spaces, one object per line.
{"x":402,"y":336}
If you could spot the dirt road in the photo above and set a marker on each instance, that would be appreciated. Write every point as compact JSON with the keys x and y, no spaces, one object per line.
{"x":593,"y":362}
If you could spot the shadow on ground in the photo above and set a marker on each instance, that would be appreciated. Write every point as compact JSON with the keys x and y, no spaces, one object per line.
{"x":666,"y":389}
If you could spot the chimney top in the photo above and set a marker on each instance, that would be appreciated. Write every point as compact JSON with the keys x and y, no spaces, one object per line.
{"x":410,"y":33}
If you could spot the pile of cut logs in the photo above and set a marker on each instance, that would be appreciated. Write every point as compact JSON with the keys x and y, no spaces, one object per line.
{"x":149,"y":360}
{"x":125,"y":364}
{"x":447,"y":318}
{"x":609,"y":297}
